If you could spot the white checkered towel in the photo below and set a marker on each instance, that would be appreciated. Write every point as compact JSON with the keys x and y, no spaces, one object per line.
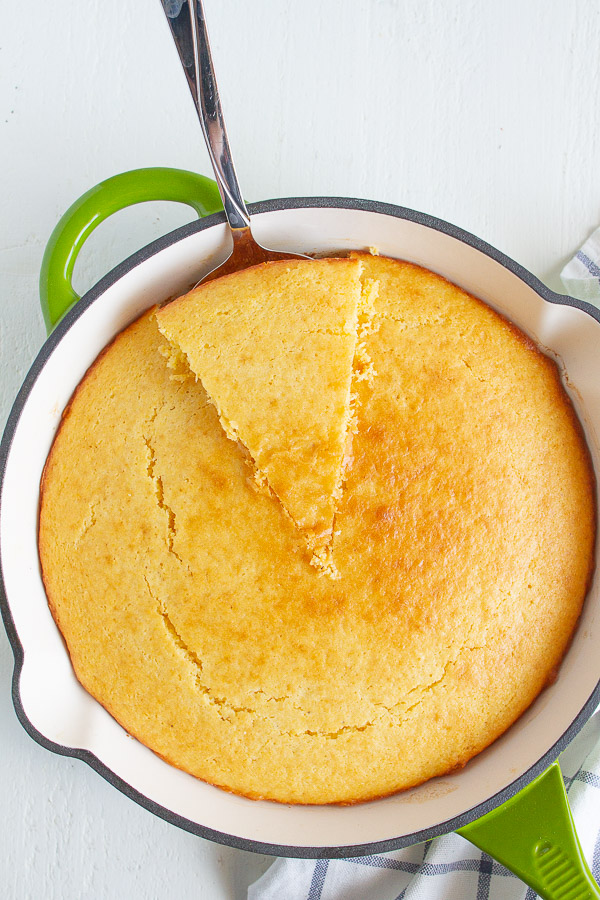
{"x":450,"y":868}
{"x":581,"y":276}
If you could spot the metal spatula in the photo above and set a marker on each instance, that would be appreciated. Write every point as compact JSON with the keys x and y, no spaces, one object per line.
{"x":188,"y":27}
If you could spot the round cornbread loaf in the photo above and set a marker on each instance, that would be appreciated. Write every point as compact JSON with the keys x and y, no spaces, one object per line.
{"x":463,"y":541}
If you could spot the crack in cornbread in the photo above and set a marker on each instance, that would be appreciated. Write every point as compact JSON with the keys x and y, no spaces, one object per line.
{"x":88,"y":521}
{"x":464,"y":541}
{"x":222,"y":704}
{"x":283,"y":390}
{"x":160,"y":498}
{"x":219,"y":702}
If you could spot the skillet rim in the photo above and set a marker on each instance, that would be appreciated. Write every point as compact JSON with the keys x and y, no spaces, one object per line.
{"x":50,"y":345}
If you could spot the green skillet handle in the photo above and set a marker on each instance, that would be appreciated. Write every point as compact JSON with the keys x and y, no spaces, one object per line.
{"x":533,"y":835}
{"x":56,"y":291}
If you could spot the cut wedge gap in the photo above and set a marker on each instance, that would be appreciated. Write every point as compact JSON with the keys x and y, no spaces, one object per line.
{"x":279,"y":348}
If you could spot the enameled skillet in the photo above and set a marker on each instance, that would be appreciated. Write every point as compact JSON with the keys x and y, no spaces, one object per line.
{"x":510,"y":799}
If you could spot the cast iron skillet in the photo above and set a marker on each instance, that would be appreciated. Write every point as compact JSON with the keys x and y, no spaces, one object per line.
{"x":510,"y":800}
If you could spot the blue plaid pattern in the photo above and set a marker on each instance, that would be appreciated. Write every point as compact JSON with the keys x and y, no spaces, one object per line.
{"x":590,"y":265}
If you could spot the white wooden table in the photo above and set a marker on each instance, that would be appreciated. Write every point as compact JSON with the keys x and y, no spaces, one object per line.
{"x":484,"y":114}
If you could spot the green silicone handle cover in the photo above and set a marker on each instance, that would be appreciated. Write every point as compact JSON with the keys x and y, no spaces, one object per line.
{"x":56,"y":291}
{"x":533,"y":835}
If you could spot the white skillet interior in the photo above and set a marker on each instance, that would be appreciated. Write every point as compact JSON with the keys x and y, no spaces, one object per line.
{"x":63,"y":713}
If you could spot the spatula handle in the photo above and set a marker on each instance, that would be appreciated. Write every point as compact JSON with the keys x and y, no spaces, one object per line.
{"x":188,"y":28}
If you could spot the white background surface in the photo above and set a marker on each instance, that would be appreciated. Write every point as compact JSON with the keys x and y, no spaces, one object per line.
{"x":484,"y":114}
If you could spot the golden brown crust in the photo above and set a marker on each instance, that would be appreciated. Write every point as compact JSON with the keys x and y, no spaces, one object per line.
{"x":464,"y":541}
{"x":247,"y":337}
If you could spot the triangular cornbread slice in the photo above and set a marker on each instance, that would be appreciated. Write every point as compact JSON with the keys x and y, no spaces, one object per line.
{"x":274,"y":347}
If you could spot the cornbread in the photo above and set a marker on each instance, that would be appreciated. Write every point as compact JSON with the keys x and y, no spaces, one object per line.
{"x":463,"y":540}
{"x":274,"y":347}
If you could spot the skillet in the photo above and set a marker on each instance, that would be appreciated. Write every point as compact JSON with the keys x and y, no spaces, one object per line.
{"x":509,"y":800}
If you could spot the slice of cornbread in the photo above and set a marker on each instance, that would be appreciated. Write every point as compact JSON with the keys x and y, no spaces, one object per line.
{"x":274,"y":347}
